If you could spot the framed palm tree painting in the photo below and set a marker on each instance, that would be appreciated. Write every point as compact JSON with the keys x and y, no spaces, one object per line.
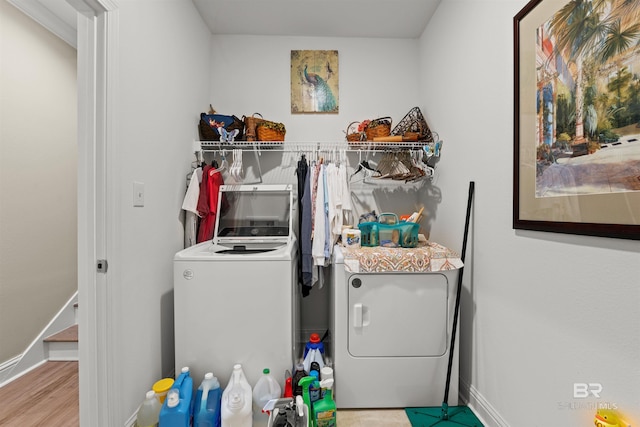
{"x":314,"y":81}
{"x":577,"y":117}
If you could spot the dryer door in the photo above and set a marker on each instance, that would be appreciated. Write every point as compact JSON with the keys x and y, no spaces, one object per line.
{"x":393,"y":315}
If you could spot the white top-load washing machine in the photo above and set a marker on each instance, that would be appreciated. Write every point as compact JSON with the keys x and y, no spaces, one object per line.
{"x":392,"y":333}
{"x":234,"y":296}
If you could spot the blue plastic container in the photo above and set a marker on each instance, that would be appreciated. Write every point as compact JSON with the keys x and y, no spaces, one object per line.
{"x":176,"y":409}
{"x":403,"y":234}
{"x":206,"y":411}
{"x":313,"y":343}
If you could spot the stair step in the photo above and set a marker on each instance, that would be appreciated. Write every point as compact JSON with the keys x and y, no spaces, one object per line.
{"x":63,"y":345}
{"x":66,"y":335}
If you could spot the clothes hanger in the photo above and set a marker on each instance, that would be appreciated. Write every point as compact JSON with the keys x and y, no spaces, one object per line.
{"x":222,"y":167}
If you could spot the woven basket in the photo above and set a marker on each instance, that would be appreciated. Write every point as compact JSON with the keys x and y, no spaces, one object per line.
{"x":265,"y":133}
{"x":413,"y":123}
{"x":250,"y":124}
{"x":353,"y":135}
{"x":378,"y":128}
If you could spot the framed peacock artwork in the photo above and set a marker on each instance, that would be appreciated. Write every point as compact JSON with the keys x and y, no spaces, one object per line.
{"x":314,"y":81}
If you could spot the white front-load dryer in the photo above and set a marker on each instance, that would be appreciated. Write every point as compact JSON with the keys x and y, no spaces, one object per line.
{"x":392,"y":335}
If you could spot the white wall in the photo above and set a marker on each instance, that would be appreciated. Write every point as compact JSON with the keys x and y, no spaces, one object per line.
{"x":163,"y":82}
{"x":38,"y":250}
{"x":541,"y":311}
{"x":378,"y":78}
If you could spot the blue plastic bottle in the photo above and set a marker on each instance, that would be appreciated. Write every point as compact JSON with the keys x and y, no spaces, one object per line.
{"x":313,"y":354}
{"x":314,"y":343}
{"x":314,"y":387}
{"x":176,"y":409}
{"x":206,"y":409}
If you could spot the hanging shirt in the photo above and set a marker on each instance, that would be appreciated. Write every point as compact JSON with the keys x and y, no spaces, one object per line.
{"x":305,"y":236}
{"x":190,"y":206}
{"x":327,"y":225}
{"x":203,"y":198}
{"x":208,"y":223}
{"x":345,"y":195}
{"x":314,"y":194}
{"x":301,"y":175}
{"x":317,"y":248}
{"x":313,"y":187}
{"x":334,"y":193}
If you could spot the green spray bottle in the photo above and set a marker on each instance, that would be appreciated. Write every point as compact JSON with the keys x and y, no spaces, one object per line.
{"x":305,"y":382}
{"x":324,"y":411}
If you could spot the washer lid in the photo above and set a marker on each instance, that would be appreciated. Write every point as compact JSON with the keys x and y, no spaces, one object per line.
{"x":254,"y":214}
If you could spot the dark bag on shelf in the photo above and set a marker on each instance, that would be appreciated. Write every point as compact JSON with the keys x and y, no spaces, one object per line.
{"x":208,"y":126}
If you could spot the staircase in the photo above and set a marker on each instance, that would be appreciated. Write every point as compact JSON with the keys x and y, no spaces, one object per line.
{"x":63,"y":345}
{"x":58,"y":341}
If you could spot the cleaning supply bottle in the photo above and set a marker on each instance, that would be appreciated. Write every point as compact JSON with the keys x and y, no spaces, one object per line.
{"x":266,"y":388}
{"x":288,"y":387}
{"x":236,"y":401}
{"x":313,"y":352}
{"x":326,"y":380}
{"x":314,"y":387}
{"x":305,"y":383}
{"x":176,"y":409}
{"x":313,"y":343}
{"x":161,"y":387}
{"x":206,"y":409}
{"x":149,"y":412}
{"x":324,"y":411}
{"x":298,"y":374}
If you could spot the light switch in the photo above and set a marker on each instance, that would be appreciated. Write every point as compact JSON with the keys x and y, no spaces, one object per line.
{"x":138,"y":194}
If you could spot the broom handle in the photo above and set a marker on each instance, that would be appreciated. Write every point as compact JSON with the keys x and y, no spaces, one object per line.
{"x":455,"y":314}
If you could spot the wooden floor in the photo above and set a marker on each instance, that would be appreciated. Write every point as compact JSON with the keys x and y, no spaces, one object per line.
{"x":46,"y":396}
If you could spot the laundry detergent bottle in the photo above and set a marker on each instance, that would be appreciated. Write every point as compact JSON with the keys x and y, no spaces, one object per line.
{"x":313,"y":354}
{"x":206,"y":409}
{"x":236,"y":410}
{"x":176,"y":409}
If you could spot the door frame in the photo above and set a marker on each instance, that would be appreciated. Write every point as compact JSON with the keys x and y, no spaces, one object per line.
{"x":96,"y":42}
{"x":97,"y":65}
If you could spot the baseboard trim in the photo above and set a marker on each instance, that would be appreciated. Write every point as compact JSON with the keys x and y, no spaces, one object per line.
{"x":131,"y":422}
{"x":486,"y":413}
{"x":22,"y":373}
{"x":6,"y":366}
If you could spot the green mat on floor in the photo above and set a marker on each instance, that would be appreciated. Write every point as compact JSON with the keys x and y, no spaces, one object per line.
{"x":434,"y":416}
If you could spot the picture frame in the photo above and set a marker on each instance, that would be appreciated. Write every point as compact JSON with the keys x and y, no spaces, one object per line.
{"x":575,"y":176}
{"x":315,"y":82}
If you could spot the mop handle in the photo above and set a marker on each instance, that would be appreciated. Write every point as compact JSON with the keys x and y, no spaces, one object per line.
{"x":455,"y":315}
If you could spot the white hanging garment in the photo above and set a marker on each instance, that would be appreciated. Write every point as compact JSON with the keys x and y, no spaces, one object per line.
{"x":190,"y":205}
{"x":317,"y":248}
{"x":190,"y":202}
{"x":345,"y":195}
